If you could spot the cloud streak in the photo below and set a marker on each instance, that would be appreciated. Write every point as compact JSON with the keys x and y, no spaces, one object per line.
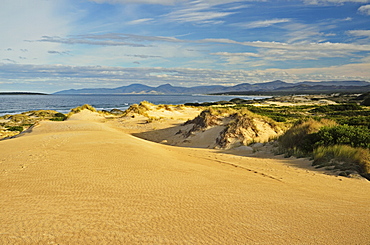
{"x":117,"y":40}
{"x":328,"y":2}
{"x":160,"y":2}
{"x":88,"y":41}
{"x":199,"y":12}
{"x":263,"y":23}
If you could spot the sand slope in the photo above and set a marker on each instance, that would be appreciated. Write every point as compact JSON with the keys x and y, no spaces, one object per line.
{"x":84,"y":182}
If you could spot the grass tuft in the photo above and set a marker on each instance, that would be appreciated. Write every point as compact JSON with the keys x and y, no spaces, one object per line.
{"x":344,"y":158}
{"x":81,"y":108}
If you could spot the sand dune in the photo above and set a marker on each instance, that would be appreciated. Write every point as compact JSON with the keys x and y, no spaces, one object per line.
{"x":85,"y":181}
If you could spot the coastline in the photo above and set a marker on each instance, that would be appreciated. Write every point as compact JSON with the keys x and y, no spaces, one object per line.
{"x":89,"y":180}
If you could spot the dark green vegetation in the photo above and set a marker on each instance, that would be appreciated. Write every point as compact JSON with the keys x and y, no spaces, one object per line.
{"x":58,"y":117}
{"x":14,"y":128}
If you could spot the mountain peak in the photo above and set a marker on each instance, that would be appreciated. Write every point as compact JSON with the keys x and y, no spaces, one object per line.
{"x":167,"y":85}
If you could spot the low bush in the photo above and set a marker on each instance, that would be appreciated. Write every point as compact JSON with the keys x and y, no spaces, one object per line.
{"x":355,"y":121}
{"x":343,"y":135}
{"x":58,"y":117}
{"x":341,"y":107}
{"x":14,"y":128}
{"x":366,"y":102}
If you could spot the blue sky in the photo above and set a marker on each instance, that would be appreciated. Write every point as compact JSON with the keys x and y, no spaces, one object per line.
{"x":50,"y":45}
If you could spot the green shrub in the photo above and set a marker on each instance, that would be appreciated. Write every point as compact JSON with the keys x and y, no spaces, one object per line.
{"x":58,"y":117}
{"x":14,"y":128}
{"x":341,"y":107}
{"x":343,"y":135}
{"x":355,"y":121}
{"x":366,"y":102}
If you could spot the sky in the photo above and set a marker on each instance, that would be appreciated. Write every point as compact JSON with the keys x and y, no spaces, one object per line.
{"x":52,"y":45}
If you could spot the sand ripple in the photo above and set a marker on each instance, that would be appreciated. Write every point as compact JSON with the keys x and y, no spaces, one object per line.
{"x":83,"y":182}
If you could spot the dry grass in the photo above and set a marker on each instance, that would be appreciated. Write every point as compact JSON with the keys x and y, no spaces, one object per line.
{"x":80,"y":108}
{"x":344,"y":158}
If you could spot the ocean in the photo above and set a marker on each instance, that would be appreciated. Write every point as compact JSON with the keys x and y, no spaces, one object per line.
{"x":14,"y":104}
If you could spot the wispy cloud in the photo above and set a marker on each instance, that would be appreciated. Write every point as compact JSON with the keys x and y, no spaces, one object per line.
{"x":144,"y":56}
{"x":161,"y":2}
{"x":326,"y":2}
{"x":284,"y":55}
{"x":58,"y":52}
{"x":154,"y":47}
{"x":9,"y":60}
{"x":116,"y":39}
{"x":263,"y":23}
{"x":139,"y":21}
{"x":200,"y":12}
{"x":87,"y":40}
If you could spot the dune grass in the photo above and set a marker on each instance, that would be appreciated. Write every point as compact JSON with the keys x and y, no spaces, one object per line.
{"x":140,"y":109}
{"x":81,"y":108}
{"x":344,"y":158}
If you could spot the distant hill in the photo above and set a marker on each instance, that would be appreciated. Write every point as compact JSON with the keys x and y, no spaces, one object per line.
{"x":243,"y":88}
{"x":21,"y":93}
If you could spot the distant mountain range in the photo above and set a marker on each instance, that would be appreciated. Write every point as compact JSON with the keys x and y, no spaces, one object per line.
{"x":275,"y":87}
{"x":21,"y":93}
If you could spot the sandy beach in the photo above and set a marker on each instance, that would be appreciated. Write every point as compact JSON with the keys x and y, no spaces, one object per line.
{"x":88,"y":180}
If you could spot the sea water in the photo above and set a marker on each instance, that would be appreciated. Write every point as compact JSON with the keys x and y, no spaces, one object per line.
{"x":13,"y":104}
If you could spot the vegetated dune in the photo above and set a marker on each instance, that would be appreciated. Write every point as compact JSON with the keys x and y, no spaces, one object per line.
{"x":222,"y":128}
{"x":86,"y":181}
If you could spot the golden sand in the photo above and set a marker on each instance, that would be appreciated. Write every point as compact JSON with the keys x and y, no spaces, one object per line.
{"x":85,"y":181}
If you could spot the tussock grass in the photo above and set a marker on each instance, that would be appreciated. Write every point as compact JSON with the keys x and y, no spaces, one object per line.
{"x":81,"y":108}
{"x":140,"y":109}
{"x":166,"y":107}
{"x":344,"y":158}
{"x":299,"y":140}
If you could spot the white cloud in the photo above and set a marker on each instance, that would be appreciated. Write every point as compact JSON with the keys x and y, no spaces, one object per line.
{"x":110,"y":48}
{"x":295,"y":46}
{"x":263,"y":23}
{"x":359,"y":33}
{"x":121,"y":39}
{"x":283,"y":55}
{"x":172,"y":2}
{"x":365,"y":9}
{"x":199,"y":12}
{"x":246,"y":54}
{"x":326,"y":2}
{"x":95,"y":76}
{"x":89,"y":40}
{"x":161,"y":2}
{"x":358,"y":71}
{"x":140,"y":21}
